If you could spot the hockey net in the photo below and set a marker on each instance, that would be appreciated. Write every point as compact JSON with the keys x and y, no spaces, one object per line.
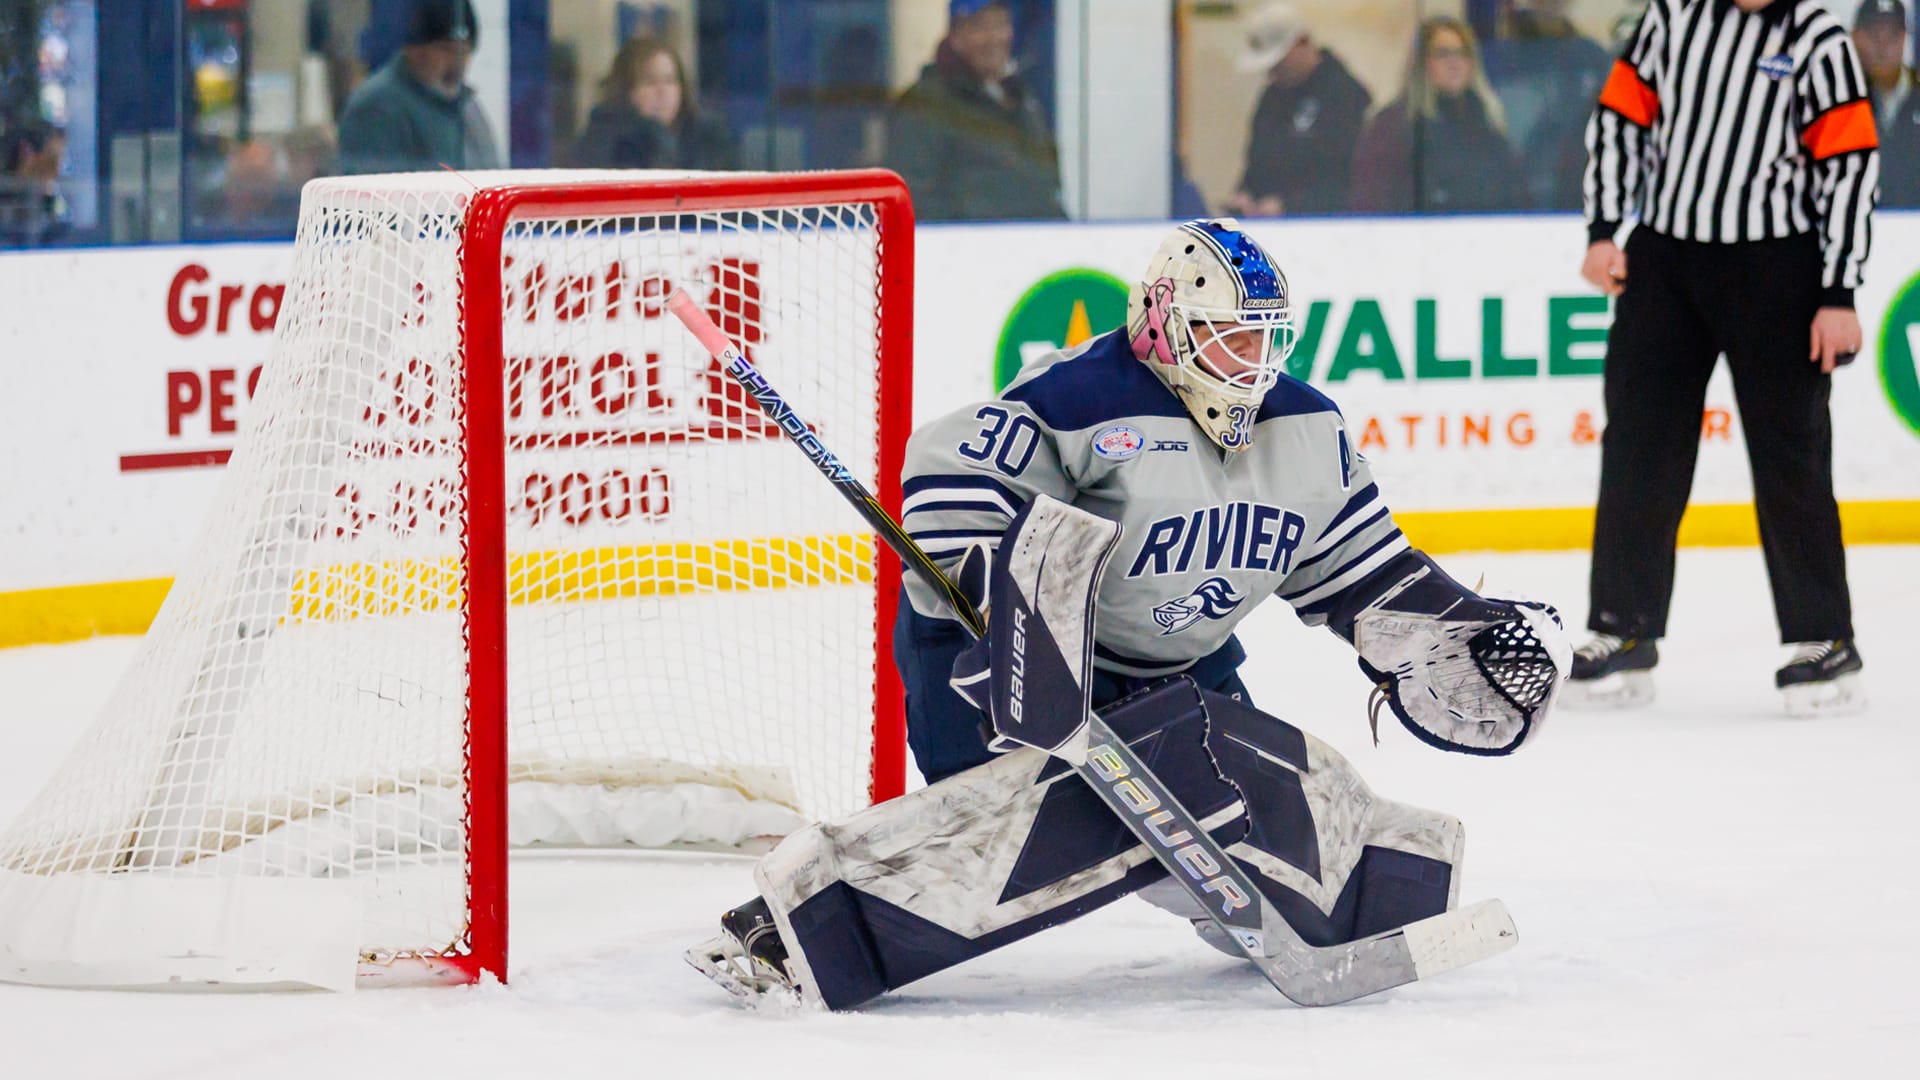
{"x":496,"y":525}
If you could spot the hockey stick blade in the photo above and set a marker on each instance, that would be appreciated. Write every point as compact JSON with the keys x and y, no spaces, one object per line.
{"x":1305,"y":974}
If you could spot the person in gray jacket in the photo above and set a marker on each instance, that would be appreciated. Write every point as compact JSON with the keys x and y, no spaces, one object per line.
{"x":417,"y":112}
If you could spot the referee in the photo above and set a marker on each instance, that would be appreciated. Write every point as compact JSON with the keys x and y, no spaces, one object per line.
{"x":1739,"y":136}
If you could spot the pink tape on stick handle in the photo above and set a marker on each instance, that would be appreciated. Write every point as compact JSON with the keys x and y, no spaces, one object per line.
{"x":698,"y":324}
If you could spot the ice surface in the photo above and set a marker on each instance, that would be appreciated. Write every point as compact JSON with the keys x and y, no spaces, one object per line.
{"x":1705,"y":888}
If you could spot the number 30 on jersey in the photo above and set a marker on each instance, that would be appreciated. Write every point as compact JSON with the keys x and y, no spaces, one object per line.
{"x":1008,"y":441}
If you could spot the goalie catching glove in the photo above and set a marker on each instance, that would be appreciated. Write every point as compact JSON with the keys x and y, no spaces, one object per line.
{"x":1462,"y":672}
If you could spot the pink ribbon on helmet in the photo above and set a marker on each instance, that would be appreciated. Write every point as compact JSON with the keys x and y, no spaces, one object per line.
{"x":1152,"y":337}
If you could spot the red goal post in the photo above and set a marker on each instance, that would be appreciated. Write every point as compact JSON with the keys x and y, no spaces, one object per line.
{"x":487,"y":218}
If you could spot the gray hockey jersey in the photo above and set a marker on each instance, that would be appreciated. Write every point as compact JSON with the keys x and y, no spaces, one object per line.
{"x":1206,"y":536}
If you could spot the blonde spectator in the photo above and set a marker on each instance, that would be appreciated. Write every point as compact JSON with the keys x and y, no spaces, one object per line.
{"x":1441,"y":145}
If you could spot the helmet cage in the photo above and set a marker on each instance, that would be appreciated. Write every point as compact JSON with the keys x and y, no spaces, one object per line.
{"x":1238,"y":352}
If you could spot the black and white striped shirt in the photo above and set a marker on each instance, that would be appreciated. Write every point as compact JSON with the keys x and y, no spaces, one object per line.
{"x":1718,"y":125}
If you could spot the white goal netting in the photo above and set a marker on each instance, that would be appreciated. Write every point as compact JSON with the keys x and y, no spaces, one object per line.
{"x":689,"y":611}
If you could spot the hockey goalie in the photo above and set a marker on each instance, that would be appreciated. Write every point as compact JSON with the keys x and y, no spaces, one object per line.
{"x":1117,"y":511}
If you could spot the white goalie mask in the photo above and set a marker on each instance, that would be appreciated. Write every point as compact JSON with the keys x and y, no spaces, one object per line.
{"x":1213,"y":318}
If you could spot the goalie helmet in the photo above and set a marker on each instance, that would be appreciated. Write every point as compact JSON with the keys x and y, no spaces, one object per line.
{"x":1214,"y":320}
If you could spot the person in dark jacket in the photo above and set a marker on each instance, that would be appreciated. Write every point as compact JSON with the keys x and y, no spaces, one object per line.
{"x":1300,"y":149}
{"x":1880,"y":34}
{"x":417,"y":112}
{"x":969,"y":138}
{"x":1440,"y":147}
{"x":647,"y":119}
{"x":1547,"y":74}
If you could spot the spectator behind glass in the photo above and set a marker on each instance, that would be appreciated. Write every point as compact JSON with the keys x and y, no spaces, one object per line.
{"x":1440,"y":146}
{"x":32,"y":210}
{"x":1547,"y":75}
{"x":259,"y":189}
{"x":1300,"y":149}
{"x":646,"y":117}
{"x":416,"y":112}
{"x":1880,"y":33}
{"x":969,"y":138}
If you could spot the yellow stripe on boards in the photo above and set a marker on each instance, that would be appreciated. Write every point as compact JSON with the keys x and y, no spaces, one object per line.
{"x":67,"y":613}
{"x":349,"y":590}
{"x":354,"y":590}
{"x":72,"y":612}
{"x":1571,"y":528}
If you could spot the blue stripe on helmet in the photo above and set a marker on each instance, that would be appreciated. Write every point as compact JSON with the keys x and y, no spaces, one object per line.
{"x":1253,"y":271}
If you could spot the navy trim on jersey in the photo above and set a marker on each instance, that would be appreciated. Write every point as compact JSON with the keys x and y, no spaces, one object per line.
{"x":1335,"y":549}
{"x":914,"y":485}
{"x":1106,"y":382}
{"x":1360,"y":499}
{"x":922,"y":536}
{"x":1347,"y":567}
{"x":961,"y":504}
{"x":1291,"y":397}
{"x":1157,"y":667}
{"x":1323,"y":606}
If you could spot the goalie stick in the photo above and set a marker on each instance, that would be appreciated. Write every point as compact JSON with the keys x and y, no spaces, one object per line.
{"x":1305,"y":974}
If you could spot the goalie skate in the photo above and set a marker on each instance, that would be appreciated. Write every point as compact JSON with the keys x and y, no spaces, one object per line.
{"x":747,"y":958}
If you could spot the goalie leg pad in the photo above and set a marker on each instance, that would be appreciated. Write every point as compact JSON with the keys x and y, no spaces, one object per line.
{"x":1337,"y":861}
{"x":982,"y":859}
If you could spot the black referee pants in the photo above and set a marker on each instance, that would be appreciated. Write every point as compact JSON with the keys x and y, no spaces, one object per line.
{"x":1685,"y":304}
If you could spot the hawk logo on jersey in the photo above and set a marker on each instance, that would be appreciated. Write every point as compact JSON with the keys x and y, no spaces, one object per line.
{"x":1776,"y":67}
{"x":1119,"y":442}
{"x":1214,"y":598}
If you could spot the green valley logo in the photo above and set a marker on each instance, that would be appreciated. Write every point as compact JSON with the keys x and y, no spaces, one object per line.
{"x":1899,"y":345}
{"x":1060,"y":311}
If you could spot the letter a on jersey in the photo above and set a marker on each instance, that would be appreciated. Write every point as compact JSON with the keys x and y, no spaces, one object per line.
{"x":1038,"y":652}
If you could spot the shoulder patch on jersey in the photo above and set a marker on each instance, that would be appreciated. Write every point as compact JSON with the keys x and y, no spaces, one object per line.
{"x":1119,"y":442}
{"x":1291,"y":397}
{"x":1105,"y":383}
